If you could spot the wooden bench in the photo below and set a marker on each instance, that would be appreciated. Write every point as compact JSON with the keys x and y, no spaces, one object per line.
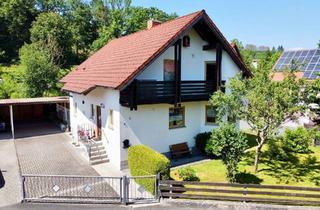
{"x":179,"y":149}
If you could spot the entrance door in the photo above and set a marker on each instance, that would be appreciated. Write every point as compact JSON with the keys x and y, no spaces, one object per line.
{"x":99,"y":122}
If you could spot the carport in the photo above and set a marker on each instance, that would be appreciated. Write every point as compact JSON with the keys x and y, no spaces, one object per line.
{"x":33,"y":113}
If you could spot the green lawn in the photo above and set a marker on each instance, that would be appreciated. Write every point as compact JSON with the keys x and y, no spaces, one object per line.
{"x":300,"y":170}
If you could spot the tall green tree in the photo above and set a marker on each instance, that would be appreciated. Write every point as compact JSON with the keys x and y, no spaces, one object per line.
{"x":53,"y":32}
{"x":58,"y":6}
{"x":15,"y":20}
{"x":39,"y":71}
{"x":124,"y":19}
{"x":82,"y":27}
{"x":118,"y":16}
{"x":319,"y":44}
{"x":261,"y":102}
{"x":139,"y":17}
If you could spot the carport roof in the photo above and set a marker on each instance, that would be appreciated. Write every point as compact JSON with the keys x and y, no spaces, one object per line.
{"x":28,"y":101}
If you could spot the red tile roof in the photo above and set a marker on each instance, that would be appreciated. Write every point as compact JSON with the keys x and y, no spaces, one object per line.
{"x":122,"y":59}
{"x":279,"y":76}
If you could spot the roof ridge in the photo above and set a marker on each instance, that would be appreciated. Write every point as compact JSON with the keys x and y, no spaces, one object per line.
{"x":143,"y":30}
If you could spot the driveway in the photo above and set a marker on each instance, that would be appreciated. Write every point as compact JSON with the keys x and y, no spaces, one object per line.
{"x":51,"y":155}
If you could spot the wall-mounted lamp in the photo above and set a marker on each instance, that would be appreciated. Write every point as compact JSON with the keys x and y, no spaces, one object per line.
{"x":126,"y":144}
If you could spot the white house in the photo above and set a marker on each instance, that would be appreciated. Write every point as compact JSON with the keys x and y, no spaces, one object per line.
{"x":152,"y":87}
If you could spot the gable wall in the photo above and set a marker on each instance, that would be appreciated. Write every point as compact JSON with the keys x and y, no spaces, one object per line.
{"x":193,"y":61}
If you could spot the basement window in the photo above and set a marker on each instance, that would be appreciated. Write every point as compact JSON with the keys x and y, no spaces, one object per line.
{"x":176,"y":117}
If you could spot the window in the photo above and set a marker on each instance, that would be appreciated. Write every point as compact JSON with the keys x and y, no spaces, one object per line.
{"x":92,"y":111}
{"x":176,"y":117}
{"x":211,"y":115}
{"x":168,"y":68}
{"x":110,"y":119}
{"x":75,"y":109}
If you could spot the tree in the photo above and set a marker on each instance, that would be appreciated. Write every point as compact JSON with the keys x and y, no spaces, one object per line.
{"x":39,"y":71}
{"x":11,"y":85}
{"x":51,"y":31}
{"x":261,"y":102}
{"x":15,"y":20}
{"x":81,"y":25}
{"x":118,"y":16}
{"x":238,"y":43}
{"x":319,"y":44}
{"x":57,"y":6}
{"x":229,"y":143}
{"x":123,"y":19}
{"x":139,"y":17}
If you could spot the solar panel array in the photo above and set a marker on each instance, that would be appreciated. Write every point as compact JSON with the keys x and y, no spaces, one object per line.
{"x":307,"y":61}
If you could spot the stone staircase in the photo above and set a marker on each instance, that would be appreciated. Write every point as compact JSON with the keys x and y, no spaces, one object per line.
{"x":98,"y":153}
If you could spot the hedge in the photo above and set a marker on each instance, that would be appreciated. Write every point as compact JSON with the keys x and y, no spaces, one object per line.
{"x":202,"y":140}
{"x":144,"y":161}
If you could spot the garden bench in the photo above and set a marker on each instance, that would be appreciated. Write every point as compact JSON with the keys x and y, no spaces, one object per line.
{"x":179,"y":149}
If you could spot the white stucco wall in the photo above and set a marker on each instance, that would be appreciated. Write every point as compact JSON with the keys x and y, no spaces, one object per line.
{"x":193,"y":61}
{"x":149,"y":125}
{"x":110,"y":99}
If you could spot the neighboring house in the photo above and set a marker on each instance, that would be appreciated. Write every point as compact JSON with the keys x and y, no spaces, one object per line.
{"x":152,"y":87}
{"x":305,"y":61}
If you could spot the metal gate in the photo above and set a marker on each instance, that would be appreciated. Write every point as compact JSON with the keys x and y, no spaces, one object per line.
{"x":89,"y":189}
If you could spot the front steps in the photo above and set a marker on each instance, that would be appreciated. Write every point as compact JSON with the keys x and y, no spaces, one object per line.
{"x":98,"y":153}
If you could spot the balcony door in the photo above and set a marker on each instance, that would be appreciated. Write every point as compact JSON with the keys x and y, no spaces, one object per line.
{"x":211,"y":71}
{"x":168,"y":70}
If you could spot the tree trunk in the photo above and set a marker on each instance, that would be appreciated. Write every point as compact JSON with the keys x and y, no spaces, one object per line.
{"x":257,"y":157}
{"x":261,"y":140}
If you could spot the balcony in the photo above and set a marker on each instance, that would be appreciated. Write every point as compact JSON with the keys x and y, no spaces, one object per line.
{"x":153,"y":92}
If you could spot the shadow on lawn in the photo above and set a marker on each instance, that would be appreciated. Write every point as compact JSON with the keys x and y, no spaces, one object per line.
{"x":289,"y":169}
{"x":248,"y":178}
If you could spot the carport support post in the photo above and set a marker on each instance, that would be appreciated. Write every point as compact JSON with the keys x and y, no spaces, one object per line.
{"x":11,"y":120}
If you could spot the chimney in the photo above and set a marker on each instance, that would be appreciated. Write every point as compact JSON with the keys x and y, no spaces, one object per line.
{"x":153,"y":23}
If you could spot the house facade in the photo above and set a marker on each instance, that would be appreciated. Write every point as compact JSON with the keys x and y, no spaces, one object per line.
{"x":153,"y":87}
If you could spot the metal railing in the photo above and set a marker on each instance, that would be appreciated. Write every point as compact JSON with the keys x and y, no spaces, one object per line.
{"x":90,"y":189}
{"x":150,"y":91}
{"x":80,"y":189}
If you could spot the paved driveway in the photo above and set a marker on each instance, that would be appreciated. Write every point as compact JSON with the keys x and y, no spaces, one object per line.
{"x":51,"y":155}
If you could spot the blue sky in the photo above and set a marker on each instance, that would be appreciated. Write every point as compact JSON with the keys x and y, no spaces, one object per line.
{"x":291,"y":23}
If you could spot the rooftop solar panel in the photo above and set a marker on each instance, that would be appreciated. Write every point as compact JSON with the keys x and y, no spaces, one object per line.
{"x":305,"y":60}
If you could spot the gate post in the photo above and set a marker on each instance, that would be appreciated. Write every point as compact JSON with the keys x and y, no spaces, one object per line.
{"x":125,"y":191}
{"x":157,"y":185}
{"x":23,"y":179}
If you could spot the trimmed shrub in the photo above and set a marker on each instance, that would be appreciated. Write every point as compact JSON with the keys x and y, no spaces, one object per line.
{"x":188,"y":174}
{"x":297,"y":140}
{"x":202,"y":140}
{"x":144,"y":161}
{"x":229,"y":143}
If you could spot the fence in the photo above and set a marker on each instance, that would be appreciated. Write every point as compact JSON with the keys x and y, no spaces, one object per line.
{"x":86,"y":189}
{"x":240,"y":192}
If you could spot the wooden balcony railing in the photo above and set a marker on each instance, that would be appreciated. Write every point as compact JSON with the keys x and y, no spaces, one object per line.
{"x":153,"y":92}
